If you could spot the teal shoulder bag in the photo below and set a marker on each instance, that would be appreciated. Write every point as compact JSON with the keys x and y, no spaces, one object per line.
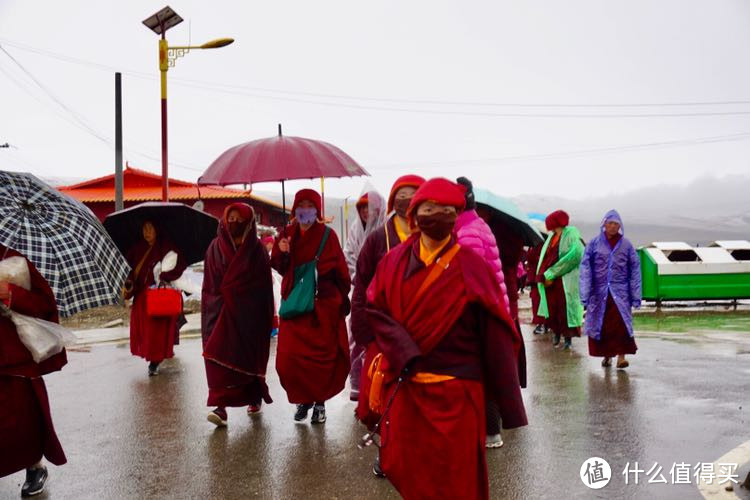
{"x":301,"y":299}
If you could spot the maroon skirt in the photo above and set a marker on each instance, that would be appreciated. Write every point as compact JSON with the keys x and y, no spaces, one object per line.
{"x":614,"y":339}
{"x":558,"y":310}
{"x":535,"y":299}
{"x":26,"y":430}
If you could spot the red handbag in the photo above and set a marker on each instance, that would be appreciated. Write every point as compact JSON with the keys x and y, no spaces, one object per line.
{"x":163,"y":302}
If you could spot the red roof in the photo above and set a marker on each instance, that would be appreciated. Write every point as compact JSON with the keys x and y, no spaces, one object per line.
{"x":139,"y":185}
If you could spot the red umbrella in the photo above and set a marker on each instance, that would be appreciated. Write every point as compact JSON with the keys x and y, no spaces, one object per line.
{"x":280,"y":158}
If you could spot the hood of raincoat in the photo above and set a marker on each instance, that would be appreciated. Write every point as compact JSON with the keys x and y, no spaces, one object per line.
{"x":376,"y":213}
{"x":612,"y":215}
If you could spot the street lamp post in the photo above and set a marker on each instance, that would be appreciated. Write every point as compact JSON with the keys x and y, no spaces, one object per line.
{"x":159,"y":23}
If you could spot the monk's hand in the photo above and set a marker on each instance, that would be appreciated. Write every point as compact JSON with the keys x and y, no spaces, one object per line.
{"x":547,"y":283}
{"x":4,"y":290}
{"x":284,"y":245}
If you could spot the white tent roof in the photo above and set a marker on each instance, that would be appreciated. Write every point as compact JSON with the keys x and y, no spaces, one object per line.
{"x":732,"y":244}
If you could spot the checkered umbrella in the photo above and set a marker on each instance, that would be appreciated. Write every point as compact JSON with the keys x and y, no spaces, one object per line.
{"x":64,"y":240}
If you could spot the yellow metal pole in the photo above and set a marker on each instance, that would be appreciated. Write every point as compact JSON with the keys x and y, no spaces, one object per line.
{"x":163,"y":67}
{"x":322,"y":197}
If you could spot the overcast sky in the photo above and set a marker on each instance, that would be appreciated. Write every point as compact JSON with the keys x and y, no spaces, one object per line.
{"x":358,"y":74}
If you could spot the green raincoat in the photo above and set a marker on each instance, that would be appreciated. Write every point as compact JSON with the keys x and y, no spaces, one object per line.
{"x":567,"y":268}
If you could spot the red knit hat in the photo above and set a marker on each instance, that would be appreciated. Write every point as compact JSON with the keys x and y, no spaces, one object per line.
{"x":309,"y":195}
{"x":245,"y":211}
{"x":558,"y":218}
{"x":440,"y":191}
{"x":404,"y":181}
{"x":364,"y":200}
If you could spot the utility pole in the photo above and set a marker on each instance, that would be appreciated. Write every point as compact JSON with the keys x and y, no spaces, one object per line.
{"x":119,"y":202}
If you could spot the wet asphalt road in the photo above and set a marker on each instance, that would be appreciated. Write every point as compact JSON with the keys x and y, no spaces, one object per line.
{"x":685,"y":398}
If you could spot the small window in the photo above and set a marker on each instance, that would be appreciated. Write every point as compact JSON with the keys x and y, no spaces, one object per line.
{"x":683,"y":256}
{"x":742,"y":254}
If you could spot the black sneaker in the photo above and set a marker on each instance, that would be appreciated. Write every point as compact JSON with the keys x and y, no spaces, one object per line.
{"x":568,"y":344}
{"x":153,"y":369}
{"x":35,"y":481}
{"x":376,"y":468}
{"x":319,"y":414}
{"x":539,"y":330}
{"x":556,"y":340}
{"x":301,"y":413}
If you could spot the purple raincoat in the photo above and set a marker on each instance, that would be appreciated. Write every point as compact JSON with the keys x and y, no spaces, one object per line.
{"x":606,"y":270}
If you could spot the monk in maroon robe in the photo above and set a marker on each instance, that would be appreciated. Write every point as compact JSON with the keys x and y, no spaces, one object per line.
{"x":151,"y":338}
{"x":26,"y":430}
{"x":312,"y":356}
{"x":236,"y":315}
{"x":532,"y":262}
{"x":440,"y":322}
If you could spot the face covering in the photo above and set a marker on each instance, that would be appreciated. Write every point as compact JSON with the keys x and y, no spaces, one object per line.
{"x":306,"y":215}
{"x":237,"y":229}
{"x":436,"y":226}
{"x":401,"y":205}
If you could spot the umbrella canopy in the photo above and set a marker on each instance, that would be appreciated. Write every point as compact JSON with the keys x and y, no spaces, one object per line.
{"x":509,"y":212}
{"x":188,"y":228}
{"x":64,"y":240}
{"x":279,"y":158}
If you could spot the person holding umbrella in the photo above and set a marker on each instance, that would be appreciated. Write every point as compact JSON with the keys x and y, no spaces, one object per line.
{"x":474,"y":233}
{"x":557,"y":279}
{"x":610,"y":288}
{"x":151,"y":338}
{"x":237,"y":310}
{"x":25,"y":419}
{"x":312,"y":357}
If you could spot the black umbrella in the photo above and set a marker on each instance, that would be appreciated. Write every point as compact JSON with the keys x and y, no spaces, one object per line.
{"x":189,"y":229}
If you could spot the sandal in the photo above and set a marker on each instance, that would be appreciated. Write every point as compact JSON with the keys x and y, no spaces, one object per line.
{"x":623,"y":364}
{"x":606,"y":362}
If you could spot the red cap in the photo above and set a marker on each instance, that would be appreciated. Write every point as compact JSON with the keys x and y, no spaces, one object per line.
{"x":558,"y":218}
{"x":309,"y":195}
{"x":362,"y":201}
{"x":406,"y":180}
{"x":439,"y":190}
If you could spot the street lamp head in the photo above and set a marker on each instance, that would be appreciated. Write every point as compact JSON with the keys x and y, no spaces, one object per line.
{"x":219,"y":42}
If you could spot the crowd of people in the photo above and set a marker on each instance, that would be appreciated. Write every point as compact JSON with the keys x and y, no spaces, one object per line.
{"x":433,"y":350}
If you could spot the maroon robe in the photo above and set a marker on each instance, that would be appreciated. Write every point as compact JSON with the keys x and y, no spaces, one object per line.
{"x":151,"y":338}
{"x":459,"y":328}
{"x":614,"y":339}
{"x":531,"y":264}
{"x":556,"y":303}
{"x":26,"y":430}
{"x":312,"y":356}
{"x":373,"y":249}
{"x":237,"y":312}
{"x":510,"y":245}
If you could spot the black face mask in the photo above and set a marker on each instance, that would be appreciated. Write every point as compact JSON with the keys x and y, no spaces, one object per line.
{"x":437,"y":226}
{"x":237,"y":229}
{"x":401,"y":205}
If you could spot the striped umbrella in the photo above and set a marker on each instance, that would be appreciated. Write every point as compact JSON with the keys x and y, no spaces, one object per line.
{"x":64,"y":240}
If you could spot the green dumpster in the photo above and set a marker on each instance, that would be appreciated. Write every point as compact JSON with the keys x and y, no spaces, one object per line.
{"x":678,"y":271}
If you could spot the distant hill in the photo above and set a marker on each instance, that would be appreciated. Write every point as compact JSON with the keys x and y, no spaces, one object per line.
{"x":698,"y":213}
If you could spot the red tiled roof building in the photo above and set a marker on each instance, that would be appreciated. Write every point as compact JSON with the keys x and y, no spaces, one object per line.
{"x":139,"y":186}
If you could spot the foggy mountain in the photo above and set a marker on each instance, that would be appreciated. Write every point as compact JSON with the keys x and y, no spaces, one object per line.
{"x":702,"y":211}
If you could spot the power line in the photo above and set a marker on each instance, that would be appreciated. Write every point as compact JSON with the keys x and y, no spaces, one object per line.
{"x":302,"y":97}
{"x":580,"y":153}
{"x":74,"y":117}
